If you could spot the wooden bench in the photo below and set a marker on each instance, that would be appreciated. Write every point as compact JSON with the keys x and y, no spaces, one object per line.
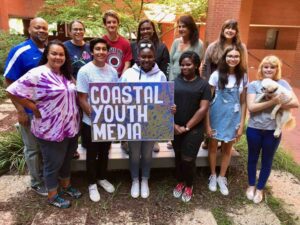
{"x":118,"y":159}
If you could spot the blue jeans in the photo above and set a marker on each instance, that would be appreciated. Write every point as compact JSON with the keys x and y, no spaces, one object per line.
{"x":32,"y":155}
{"x":264,"y":141}
{"x":140,"y":151}
{"x":57,"y":157}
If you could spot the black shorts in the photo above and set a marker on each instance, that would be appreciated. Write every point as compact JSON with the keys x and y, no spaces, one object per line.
{"x":188,"y":144}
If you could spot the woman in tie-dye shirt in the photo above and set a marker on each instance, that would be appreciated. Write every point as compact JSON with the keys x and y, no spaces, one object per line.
{"x":49,"y":91}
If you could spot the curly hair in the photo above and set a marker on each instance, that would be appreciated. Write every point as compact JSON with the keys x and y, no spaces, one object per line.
{"x":195,"y":59}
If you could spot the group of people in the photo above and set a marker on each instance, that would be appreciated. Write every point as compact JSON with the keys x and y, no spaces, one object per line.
{"x":47,"y":79}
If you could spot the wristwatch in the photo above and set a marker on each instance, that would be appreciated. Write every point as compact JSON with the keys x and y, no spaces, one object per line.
{"x":187,"y":128}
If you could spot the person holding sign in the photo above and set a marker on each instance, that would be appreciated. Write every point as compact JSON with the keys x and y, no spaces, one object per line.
{"x":97,"y":152}
{"x":192,"y":95}
{"x":146,"y":30}
{"x":141,"y":151}
{"x":227,"y":112}
{"x":49,"y":90}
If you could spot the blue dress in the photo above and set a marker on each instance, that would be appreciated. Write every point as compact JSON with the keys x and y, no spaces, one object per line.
{"x":225,"y":114}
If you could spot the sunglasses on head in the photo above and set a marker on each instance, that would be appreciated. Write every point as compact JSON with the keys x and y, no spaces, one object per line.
{"x":145,"y":45}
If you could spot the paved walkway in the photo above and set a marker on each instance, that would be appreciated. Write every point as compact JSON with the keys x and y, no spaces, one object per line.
{"x":291,"y":138}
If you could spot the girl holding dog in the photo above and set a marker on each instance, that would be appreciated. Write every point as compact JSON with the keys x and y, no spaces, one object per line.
{"x":261,"y":127}
{"x":227,"y":112}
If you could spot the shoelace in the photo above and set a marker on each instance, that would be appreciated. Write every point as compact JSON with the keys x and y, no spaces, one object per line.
{"x":93,"y":188}
{"x":57,"y":199}
{"x":224,"y":179}
{"x":179,"y":187}
{"x":188,"y":191}
{"x":211,"y":177}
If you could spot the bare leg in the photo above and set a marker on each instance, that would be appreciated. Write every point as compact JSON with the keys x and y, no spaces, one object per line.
{"x":226,"y":156}
{"x":212,"y":154}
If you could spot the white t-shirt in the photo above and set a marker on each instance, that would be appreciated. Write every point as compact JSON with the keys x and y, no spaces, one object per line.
{"x":91,"y":73}
{"x":214,"y":80}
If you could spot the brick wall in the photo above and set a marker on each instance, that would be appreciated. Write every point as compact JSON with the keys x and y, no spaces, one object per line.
{"x":276,"y":12}
{"x":296,"y":76}
{"x":17,"y":8}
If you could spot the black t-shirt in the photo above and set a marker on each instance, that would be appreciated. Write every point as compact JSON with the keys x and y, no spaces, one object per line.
{"x":188,"y":96}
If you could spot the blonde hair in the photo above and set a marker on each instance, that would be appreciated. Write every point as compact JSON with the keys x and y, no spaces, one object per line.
{"x":274,"y":61}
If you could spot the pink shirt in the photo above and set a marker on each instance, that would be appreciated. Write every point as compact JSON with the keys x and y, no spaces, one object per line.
{"x":55,"y":98}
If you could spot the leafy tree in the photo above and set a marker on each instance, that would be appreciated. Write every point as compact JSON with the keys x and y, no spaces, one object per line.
{"x":7,"y":41}
{"x":196,"y":8}
{"x":91,"y":11}
{"x":130,"y":11}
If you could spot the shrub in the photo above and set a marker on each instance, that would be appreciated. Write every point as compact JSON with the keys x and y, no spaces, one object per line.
{"x":6,"y":42}
{"x":11,"y":152}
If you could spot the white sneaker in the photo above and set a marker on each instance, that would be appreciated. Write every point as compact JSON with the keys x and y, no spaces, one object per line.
{"x":106,"y":186}
{"x":135,"y":189}
{"x":250,"y":192}
{"x":145,"y":188}
{"x":258,"y":197}
{"x":93,"y":192}
{"x":222,"y":182}
{"x":212,"y":186}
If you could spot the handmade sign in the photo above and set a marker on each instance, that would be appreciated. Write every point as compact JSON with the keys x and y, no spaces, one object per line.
{"x":132,"y":111}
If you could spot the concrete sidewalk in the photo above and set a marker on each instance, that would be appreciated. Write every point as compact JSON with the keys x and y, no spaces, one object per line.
{"x":291,"y":138}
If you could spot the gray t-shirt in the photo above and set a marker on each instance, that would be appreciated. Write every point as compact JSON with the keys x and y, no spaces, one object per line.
{"x":262,"y":119}
{"x":176,"y":53}
{"x":91,"y":73}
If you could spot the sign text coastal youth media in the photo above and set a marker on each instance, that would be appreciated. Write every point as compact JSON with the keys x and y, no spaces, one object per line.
{"x":131,"y":111}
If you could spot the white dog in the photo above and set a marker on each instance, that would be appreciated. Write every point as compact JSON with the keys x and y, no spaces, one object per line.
{"x":284,"y":118}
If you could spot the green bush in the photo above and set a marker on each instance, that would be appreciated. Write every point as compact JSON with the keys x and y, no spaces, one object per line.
{"x":11,"y":152}
{"x":2,"y":88}
{"x":7,"y":41}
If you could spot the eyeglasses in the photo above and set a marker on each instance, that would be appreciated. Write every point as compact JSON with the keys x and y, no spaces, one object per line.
{"x":145,"y":45}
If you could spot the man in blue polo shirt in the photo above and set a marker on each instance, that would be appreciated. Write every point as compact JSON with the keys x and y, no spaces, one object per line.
{"x":20,"y":60}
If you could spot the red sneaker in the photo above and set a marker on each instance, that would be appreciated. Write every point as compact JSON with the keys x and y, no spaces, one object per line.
{"x":187,"y":195}
{"x":177,"y":192}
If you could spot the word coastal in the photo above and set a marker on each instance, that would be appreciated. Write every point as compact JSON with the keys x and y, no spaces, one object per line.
{"x":120,"y":111}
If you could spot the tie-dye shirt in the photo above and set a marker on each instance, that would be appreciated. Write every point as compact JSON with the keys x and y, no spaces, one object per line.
{"x":55,"y":98}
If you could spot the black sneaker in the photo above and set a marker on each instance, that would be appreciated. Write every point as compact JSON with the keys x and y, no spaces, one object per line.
{"x":41,"y":190}
{"x":59,"y":202}
{"x":73,"y":192}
